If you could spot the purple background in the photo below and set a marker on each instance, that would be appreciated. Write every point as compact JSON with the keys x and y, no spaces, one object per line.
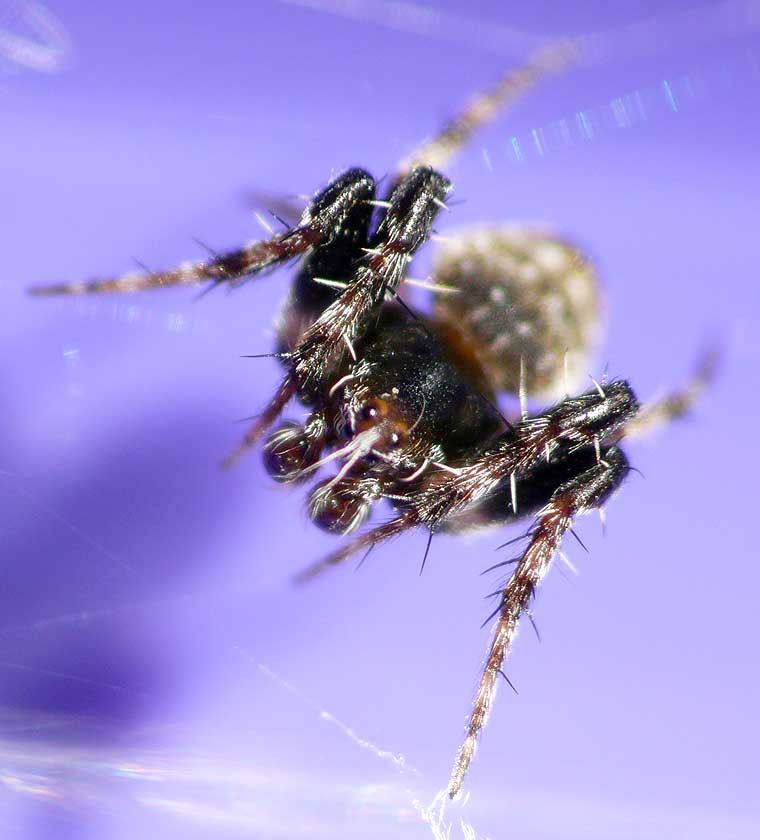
{"x":159,"y":676}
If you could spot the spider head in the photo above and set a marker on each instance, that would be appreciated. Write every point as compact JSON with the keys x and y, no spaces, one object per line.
{"x":379,"y":419}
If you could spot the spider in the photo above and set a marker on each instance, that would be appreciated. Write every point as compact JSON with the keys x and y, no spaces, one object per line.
{"x":405,"y":402}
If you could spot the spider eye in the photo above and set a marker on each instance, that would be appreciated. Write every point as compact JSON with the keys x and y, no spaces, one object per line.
{"x":397,"y":436}
{"x":370,"y":414}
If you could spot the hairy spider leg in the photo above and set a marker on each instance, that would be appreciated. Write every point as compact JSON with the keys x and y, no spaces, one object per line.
{"x":336,"y":257}
{"x":585,"y":492}
{"x":404,"y":228}
{"x":328,"y":268}
{"x":320,"y":355}
{"x":363,"y":542}
{"x":679,"y":402}
{"x":283,"y":395}
{"x":319,"y":222}
{"x":438,"y":151}
{"x":574,"y":423}
{"x":571,"y":426}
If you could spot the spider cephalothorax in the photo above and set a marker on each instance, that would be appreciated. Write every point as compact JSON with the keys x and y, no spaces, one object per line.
{"x":405,"y":403}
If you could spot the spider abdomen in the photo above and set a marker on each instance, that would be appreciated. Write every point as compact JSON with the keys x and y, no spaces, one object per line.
{"x":523,"y":298}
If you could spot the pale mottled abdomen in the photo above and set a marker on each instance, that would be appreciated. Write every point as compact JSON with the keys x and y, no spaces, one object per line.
{"x":525,"y":294}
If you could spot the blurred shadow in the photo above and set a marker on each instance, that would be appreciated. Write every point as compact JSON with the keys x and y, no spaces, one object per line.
{"x":162,"y":501}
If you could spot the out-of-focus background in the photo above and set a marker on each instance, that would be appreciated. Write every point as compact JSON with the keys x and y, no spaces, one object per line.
{"x":159,"y":675}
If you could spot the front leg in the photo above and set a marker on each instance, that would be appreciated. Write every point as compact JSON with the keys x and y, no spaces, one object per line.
{"x":327,"y":216}
{"x":318,"y":362}
{"x":413,"y":206}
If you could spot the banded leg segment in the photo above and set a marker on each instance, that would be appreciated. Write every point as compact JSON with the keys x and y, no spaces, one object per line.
{"x":365,"y":541}
{"x":319,"y":223}
{"x":655,"y":414}
{"x":282,"y":397}
{"x":438,"y":152}
{"x":579,"y":495}
{"x":407,"y":223}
